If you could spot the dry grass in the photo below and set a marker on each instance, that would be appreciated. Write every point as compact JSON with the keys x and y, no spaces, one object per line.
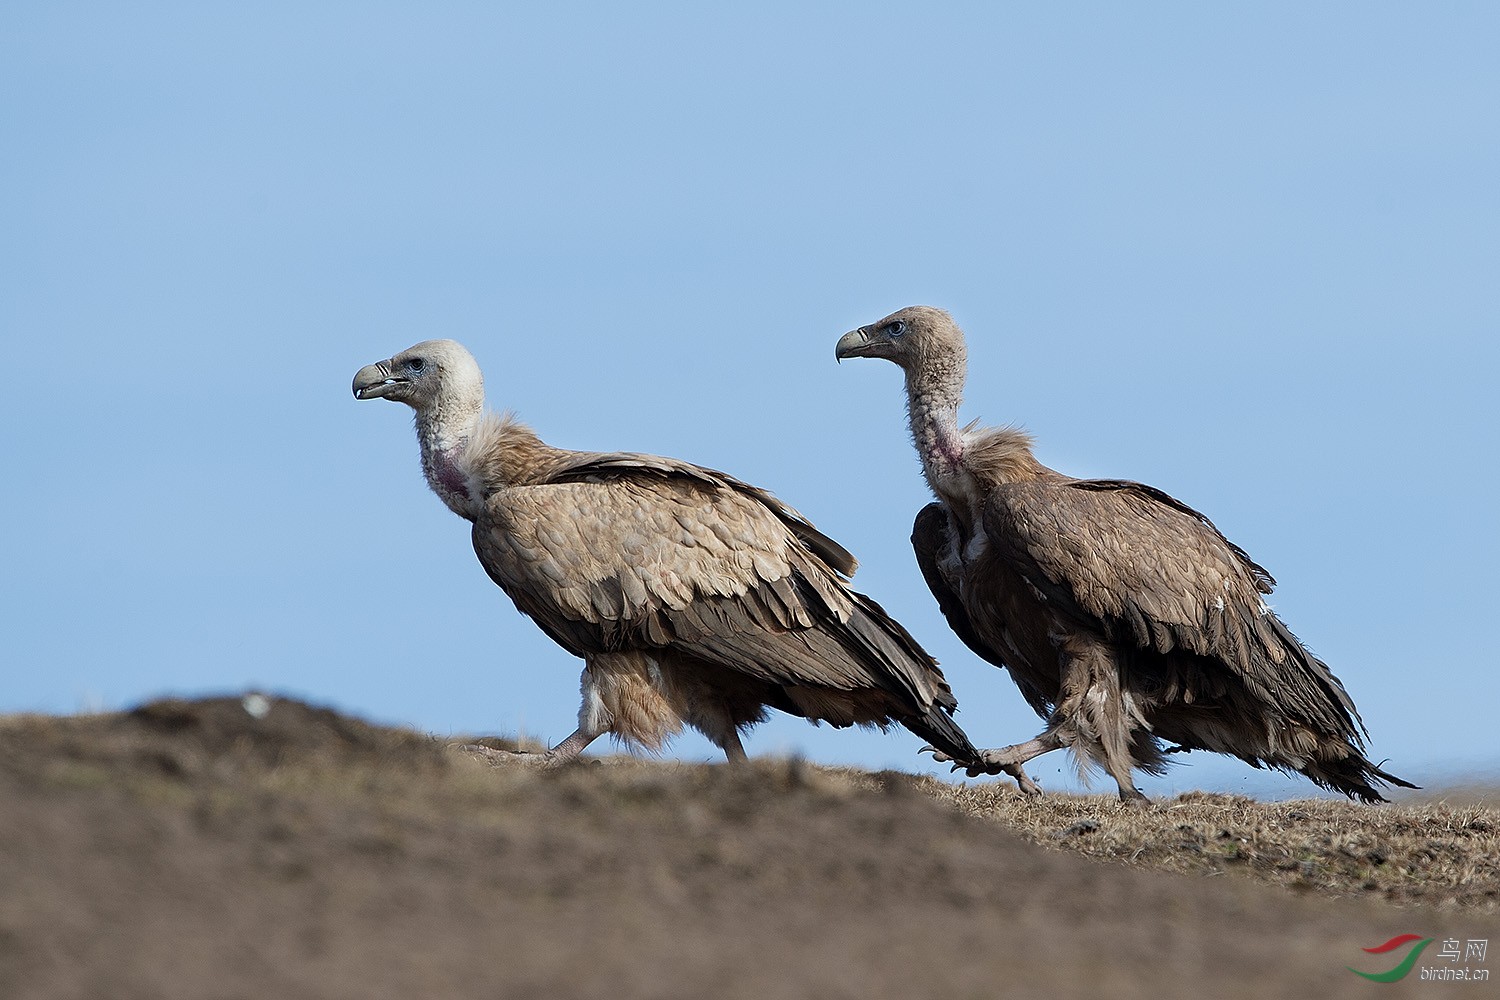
{"x":1441,"y":852}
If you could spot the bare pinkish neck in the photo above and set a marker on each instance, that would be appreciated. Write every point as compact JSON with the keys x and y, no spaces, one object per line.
{"x":443,"y":433}
{"x":932,"y":399}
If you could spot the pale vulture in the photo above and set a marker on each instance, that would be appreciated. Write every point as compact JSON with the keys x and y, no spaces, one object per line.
{"x":1130,"y":624}
{"x":693,"y":598}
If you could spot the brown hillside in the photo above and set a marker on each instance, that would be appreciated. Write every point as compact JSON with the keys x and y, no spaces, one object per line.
{"x":195,"y":849}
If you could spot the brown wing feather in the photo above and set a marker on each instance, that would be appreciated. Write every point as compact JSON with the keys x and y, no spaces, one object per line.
{"x":1264,"y":581}
{"x":624,"y":556}
{"x":599,"y":466}
{"x":1151,"y":572}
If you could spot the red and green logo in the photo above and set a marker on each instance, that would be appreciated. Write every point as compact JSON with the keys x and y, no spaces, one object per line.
{"x":1404,"y":966}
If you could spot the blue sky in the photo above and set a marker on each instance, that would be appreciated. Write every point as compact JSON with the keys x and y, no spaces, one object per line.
{"x":1245,"y":253}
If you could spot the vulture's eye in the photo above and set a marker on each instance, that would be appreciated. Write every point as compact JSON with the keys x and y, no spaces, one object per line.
{"x":415,"y":365}
{"x":896,"y":329}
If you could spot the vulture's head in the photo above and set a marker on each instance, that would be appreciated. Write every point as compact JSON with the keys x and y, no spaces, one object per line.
{"x":424,"y":377}
{"x":916,"y":338}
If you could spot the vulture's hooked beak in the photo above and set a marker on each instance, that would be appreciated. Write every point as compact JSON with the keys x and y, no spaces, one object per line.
{"x":375,"y":381}
{"x":855,"y":344}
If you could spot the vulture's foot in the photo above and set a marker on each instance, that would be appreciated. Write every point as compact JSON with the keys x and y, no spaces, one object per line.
{"x":567,"y":750}
{"x":530,"y":758}
{"x":494,"y":753}
{"x":996,"y":761}
{"x":975,"y":768}
{"x":1134,"y":797}
{"x":1008,"y":760}
{"x":1023,"y":780}
{"x":990,"y":763}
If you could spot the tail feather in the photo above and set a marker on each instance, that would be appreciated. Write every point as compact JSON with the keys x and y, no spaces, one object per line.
{"x":911,"y":669}
{"x":886,"y":646}
{"x":1355,"y":777}
{"x":938,"y":728}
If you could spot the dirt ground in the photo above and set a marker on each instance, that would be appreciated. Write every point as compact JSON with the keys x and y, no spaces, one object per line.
{"x":236,"y":848}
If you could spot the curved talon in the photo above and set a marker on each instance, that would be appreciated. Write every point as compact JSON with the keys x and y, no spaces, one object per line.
{"x":1023,"y":781}
{"x":938,"y":756}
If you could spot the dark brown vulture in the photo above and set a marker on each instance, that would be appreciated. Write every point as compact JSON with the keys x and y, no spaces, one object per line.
{"x":693,"y":598}
{"x":1130,"y":624}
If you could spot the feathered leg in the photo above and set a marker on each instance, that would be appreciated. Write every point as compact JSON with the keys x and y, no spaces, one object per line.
{"x":714,"y":701}
{"x":620,"y":696}
{"x":1094,"y":715}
